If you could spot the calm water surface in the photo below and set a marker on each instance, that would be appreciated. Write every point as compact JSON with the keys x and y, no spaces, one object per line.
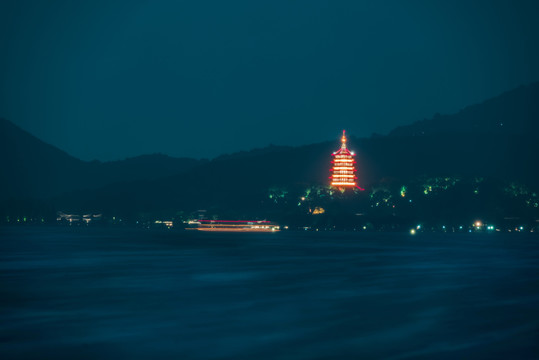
{"x":111,"y":293}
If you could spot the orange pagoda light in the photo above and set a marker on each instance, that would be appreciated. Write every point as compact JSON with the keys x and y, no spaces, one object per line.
{"x":343,"y":172}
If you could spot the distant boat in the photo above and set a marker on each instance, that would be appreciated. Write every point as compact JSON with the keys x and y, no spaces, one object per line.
{"x":233,"y":225}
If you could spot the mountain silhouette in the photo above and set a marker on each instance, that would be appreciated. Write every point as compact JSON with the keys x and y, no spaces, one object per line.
{"x":32,"y":168}
{"x":513,"y":112}
{"x":495,"y":139}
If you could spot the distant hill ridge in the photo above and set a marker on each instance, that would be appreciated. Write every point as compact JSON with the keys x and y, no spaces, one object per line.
{"x":515,"y":112}
{"x":32,"y":168}
{"x":497,"y":138}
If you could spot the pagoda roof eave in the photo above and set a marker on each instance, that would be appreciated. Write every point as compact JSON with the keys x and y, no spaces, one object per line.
{"x":342,"y":151}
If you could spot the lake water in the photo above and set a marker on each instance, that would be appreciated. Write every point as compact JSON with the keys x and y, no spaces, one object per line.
{"x":79,"y":293}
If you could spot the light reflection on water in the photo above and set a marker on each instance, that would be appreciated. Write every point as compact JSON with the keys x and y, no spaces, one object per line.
{"x":105,"y":293}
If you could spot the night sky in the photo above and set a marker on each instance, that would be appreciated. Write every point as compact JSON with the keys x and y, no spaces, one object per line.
{"x":110,"y":79}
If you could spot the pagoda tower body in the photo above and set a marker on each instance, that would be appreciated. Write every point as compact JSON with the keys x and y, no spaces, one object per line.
{"x":343,"y":172}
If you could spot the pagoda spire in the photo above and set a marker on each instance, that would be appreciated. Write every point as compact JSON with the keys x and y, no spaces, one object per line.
{"x":343,"y":140}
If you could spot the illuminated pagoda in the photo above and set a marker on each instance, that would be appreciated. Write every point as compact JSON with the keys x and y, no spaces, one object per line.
{"x":343,"y":172}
